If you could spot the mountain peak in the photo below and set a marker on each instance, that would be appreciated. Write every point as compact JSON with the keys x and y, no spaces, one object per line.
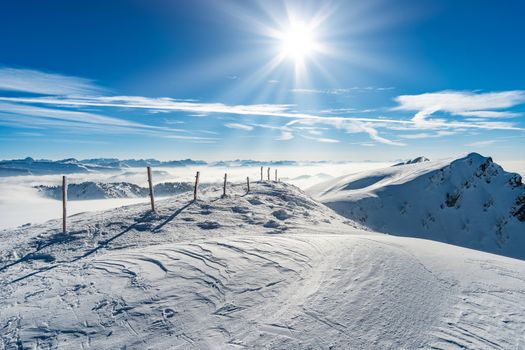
{"x":470,"y":201}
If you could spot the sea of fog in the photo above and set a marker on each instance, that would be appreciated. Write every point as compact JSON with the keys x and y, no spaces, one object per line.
{"x":21,"y":204}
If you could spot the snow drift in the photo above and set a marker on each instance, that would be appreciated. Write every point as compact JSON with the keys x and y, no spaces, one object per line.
{"x":471,"y":202}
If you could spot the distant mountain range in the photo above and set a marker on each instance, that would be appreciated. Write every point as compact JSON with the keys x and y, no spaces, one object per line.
{"x":30,"y":166}
{"x":98,"y":190}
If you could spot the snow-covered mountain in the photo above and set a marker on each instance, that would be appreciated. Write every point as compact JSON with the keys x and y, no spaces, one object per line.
{"x":30,"y":166}
{"x":249,"y":162}
{"x":269,"y":269}
{"x":471,"y":202}
{"x":413,"y":161}
{"x":99,"y":190}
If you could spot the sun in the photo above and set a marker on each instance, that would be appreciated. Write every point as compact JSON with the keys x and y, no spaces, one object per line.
{"x":298,"y":41}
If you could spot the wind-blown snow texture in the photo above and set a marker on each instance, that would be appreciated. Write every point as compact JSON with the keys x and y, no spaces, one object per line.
{"x":268,"y":269}
{"x":471,"y":202}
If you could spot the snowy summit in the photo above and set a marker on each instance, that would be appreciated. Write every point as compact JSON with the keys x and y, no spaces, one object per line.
{"x":271,"y":268}
{"x":289,"y":175}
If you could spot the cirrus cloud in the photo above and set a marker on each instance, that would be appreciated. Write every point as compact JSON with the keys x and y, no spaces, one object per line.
{"x":239,"y":126}
{"x":462,"y":103}
{"x":37,"y":82}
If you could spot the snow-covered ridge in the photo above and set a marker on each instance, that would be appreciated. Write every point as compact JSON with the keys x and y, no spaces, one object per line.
{"x":99,"y":190}
{"x":413,"y":161}
{"x":30,"y":166}
{"x":469,"y":201}
{"x":267,"y":269}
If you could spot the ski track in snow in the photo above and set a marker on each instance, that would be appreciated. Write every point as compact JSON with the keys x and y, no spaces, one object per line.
{"x":268,"y":269}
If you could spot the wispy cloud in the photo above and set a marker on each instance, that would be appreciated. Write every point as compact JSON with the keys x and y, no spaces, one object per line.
{"x":426,"y":135}
{"x":461,"y":103}
{"x":339,"y":111}
{"x":66,"y":115}
{"x":482,"y":143}
{"x":32,"y":81}
{"x":239,"y":126}
{"x":31,"y":117}
{"x":370,"y":126}
{"x":321,"y":139}
{"x":490,"y":114}
{"x":341,"y":91}
{"x":67,"y":94}
{"x":285,"y":136}
{"x":374,"y":134}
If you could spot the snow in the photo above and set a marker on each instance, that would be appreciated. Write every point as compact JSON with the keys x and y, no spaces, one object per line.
{"x":419,"y":159}
{"x":268,"y":269}
{"x":30,"y":166}
{"x":21,"y":203}
{"x":98,"y":190}
{"x":470,"y":201}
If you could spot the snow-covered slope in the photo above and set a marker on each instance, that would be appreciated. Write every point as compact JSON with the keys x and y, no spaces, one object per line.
{"x":100,"y":190}
{"x":269,"y":269}
{"x":470,"y":202}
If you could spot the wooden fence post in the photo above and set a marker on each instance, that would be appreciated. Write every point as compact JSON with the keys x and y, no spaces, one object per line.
{"x":64,"y":204}
{"x":275,"y":175}
{"x":224,"y":187}
{"x":248,"y":184}
{"x":195,"y":187}
{"x":151,"y":196}
{"x":261,"y":174}
{"x":268,"y":173}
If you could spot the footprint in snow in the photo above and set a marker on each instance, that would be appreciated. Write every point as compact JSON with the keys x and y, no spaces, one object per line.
{"x":240,"y":210}
{"x":143,"y":226}
{"x":39,"y":256}
{"x":168,"y":313}
{"x":255,"y":201}
{"x":227,"y":309}
{"x":272,"y":224}
{"x":209,"y":225}
{"x":281,"y":214}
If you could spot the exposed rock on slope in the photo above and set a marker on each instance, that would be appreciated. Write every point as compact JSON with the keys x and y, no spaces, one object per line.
{"x":470,"y":202}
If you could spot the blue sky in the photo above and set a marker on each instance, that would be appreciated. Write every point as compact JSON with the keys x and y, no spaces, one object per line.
{"x":319,"y":80}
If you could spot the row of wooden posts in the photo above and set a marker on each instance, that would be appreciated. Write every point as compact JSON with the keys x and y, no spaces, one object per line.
{"x":151,"y":194}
